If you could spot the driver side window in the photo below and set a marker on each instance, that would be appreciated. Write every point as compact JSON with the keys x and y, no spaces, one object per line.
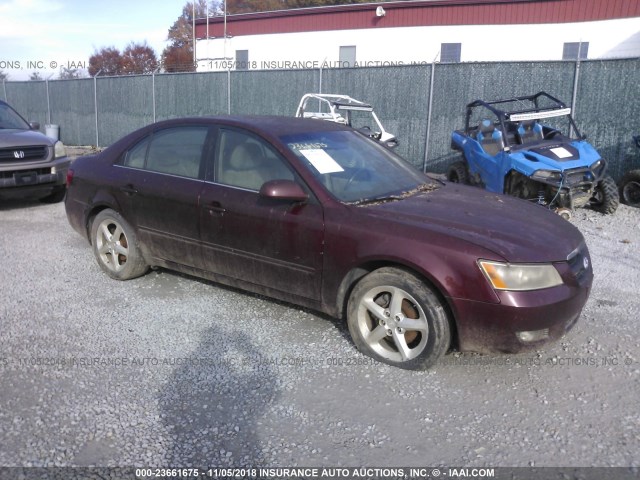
{"x":248,"y":162}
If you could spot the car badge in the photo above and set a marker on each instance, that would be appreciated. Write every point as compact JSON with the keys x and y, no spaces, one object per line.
{"x":18,"y":154}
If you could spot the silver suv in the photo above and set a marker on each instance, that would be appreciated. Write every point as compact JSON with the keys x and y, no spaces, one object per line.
{"x":31,"y":164}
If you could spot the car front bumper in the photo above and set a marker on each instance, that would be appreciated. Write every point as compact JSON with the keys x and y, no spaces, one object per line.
{"x":35,"y":179}
{"x":522,"y":320}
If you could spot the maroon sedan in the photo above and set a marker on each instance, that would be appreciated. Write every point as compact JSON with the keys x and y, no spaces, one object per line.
{"x":316,"y":214}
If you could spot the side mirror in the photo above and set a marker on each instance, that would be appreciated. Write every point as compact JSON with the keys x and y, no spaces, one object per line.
{"x":283,"y":190}
{"x":34,"y":125}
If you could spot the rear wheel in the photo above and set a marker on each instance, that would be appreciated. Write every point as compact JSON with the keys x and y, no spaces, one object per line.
{"x":605,"y":196}
{"x":116,"y":247}
{"x":458,"y":173}
{"x":630,"y":188}
{"x":397,"y":319}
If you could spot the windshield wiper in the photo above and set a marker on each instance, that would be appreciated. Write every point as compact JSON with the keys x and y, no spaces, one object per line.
{"x":425,"y":187}
{"x":376,"y":200}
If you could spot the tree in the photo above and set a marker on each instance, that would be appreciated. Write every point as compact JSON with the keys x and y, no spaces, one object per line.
{"x":138,"y":58}
{"x":35,"y":76}
{"x":3,"y":76}
{"x":69,"y":73}
{"x":107,"y":61}
{"x":178,"y":55}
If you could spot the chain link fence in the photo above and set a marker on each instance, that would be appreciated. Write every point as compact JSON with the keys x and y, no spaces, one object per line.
{"x":421,"y":104}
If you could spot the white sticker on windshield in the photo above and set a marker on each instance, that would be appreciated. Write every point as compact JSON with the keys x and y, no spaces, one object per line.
{"x":321,"y":160}
{"x":561,"y":152}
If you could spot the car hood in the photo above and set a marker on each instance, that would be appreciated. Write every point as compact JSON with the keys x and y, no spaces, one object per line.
{"x":560,"y":156}
{"x":516,"y":230}
{"x":21,"y":138}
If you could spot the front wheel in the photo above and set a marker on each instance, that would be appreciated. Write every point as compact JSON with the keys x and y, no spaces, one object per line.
{"x":397,"y":319}
{"x":605,"y":196}
{"x":115,"y":246}
{"x":458,"y":173}
{"x":630,"y":188}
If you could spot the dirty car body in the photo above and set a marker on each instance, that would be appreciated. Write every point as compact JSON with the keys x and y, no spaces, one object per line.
{"x":316,"y":214}
{"x":31,"y":164}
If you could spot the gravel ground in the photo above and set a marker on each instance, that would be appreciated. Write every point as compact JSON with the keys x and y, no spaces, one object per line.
{"x":168,"y":370}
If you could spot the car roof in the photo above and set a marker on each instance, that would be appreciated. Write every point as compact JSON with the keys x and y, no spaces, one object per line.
{"x":270,"y":124}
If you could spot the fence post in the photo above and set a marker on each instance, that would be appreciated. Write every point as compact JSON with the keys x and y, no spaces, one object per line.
{"x":95,"y":104}
{"x":430,"y":105}
{"x":153,"y":94}
{"x":48,"y":102}
{"x":229,"y":91}
{"x":574,"y":96}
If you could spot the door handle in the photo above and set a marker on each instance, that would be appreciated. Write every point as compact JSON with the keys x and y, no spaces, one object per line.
{"x":128,"y":190}
{"x":215,"y":208}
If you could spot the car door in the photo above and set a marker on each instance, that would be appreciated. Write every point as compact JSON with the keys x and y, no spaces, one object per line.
{"x":165,"y":174}
{"x":275,"y":244}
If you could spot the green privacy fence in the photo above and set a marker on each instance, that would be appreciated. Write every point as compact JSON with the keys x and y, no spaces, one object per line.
{"x":421,"y":104}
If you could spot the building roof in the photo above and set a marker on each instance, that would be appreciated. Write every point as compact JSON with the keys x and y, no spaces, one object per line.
{"x":418,"y":13}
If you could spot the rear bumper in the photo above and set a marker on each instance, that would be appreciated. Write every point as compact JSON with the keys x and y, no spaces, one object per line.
{"x":544,"y":314}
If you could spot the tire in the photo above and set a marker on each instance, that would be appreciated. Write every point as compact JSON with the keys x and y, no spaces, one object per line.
{"x":397,"y":319}
{"x":458,"y":173}
{"x":115,"y":246}
{"x":630,"y":188}
{"x":605,"y":196}
{"x":56,"y":196}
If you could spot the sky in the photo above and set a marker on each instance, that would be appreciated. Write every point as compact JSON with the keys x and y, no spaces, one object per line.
{"x":42,"y":34}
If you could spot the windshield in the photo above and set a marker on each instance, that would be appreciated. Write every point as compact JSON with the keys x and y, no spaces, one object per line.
{"x":352,"y":167}
{"x":10,"y":119}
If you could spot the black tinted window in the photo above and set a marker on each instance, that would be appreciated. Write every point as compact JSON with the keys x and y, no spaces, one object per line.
{"x":10,"y":119}
{"x":135,"y":156}
{"x":176,"y":151}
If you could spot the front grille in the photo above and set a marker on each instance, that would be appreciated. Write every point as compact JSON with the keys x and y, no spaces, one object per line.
{"x":23,"y":154}
{"x":578,"y":176}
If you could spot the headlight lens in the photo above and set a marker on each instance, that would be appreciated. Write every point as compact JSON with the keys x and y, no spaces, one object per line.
{"x":507,"y":276}
{"x":597,"y":167}
{"x":547,"y":176}
{"x":59,"y":150}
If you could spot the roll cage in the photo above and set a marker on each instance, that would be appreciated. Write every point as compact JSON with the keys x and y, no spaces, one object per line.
{"x":532,"y":111}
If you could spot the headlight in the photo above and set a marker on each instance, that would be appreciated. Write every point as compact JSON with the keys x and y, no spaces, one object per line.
{"x":59,"y":150}
{"x":597,"y":167}
{"x":547,"y":176}
{"x":507,"y":276}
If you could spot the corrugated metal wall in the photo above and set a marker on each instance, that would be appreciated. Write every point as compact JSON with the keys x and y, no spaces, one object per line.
{"x":272,"y":92}
{"x":400,"y":97}
{"x":607,"y":100}
{"x":608,"y":111}
{"x":73,"y":109}
{"x":190,"y":94}
{"x":30,"y":99}
{"x":124,"y":105}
